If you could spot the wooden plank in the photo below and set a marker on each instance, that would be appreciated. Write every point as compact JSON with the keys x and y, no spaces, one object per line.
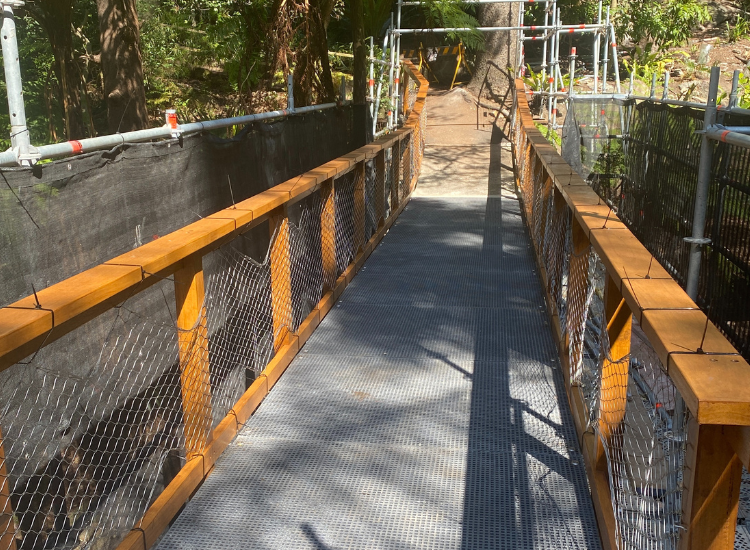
{"x":739,"y":438}
{"x":7,"y":526}
{"x":396,"y":174}
{"x":281,"y":277}
{"x":648,"y":294}
{"x":24,"y":328}
{"x":164,"y":255}
{"x":263,"y":203}
{"x":598,"y":218}
{"x":625,"y":257}
{"x":195,"y":375}
{"x":682,"y":331}
{"x":328,"y":234}
{"x":308,"y":326}
{"x":712,"y":478}
{"x":576,"y":307}
{"x":380,"y":196}
{"x":613,"y":391}
{"x":22,"y":332}
{"x":566,"y":179}
{"x":281,"y":361}
{"x":250,"y":400}
{"x":220,"y":439}
{"x":241,"y":218}
{"x":580,"y":196}
{"x":359,"y":206}
{"x":600,"y":495}
{"x":406,"y":153}
{"x":714,"y":387}
{"x":168,"y":503}
{"x":78,"y":295}
{"x":326,"y":303}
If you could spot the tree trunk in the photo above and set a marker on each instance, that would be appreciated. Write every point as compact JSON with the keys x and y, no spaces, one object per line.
{"x":500,"y":48}
{"x":358,"y":45}
{"x":312,"y":50}
{"x":56,"y":18}
{"x":357,"y":17}
{"x":121,"y":65}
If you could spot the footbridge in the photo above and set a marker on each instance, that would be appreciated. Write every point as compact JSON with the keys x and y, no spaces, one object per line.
{"x":447,"y":341}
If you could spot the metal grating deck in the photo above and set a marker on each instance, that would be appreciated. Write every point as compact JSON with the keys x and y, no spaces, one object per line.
{"x":426,"y":411}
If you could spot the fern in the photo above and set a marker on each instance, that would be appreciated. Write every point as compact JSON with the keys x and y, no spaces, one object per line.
{"x":450,"y":13}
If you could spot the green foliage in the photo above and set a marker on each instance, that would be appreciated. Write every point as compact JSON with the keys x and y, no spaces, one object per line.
{"x":743,"y":91}
{"x":202,"y":43}
{"x":534,"y":80}
{"x":453,"y":14}
{"x":645,"y":61}
{"x":549,"y":133}
{"x":739,"y":30}
{"x":666,"y":23}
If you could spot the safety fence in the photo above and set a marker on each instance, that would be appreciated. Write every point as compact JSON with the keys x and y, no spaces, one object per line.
{"x":658,"y":394}
{"x":187,"y":334}
{"x":642,"y":158}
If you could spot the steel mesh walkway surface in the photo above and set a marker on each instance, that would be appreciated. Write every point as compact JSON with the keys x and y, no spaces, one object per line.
{"x":426,"y":411}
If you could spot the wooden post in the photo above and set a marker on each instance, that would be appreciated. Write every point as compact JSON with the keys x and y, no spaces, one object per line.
{"x":193,"y":343}
{"x":527,"y":187}
{"x":7,"y":525}
{"x":406,"y":95}
{"x":613,"y":397}
{"x":544,"y":211}
{"x":396,"y":171}
{"x":281,"y":276}
{"x":406,"y":166}
{"x":577,"y":289}
{"x":328,"y":235}
{"x":712,"y":478}
{"x":359,"y":206}
{"x":554,"y":268}
{"x":380,"y":196}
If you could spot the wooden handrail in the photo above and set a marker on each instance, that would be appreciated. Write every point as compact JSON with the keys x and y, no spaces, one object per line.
{"x":708,"y":372}
{"x":36,"y":321}
{"x":710,"y":382}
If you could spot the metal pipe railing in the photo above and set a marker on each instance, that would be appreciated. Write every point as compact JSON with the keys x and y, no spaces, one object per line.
{"x":100,"y":143}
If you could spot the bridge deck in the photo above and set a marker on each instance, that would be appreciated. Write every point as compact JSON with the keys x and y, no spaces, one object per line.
{"x":426,"y":411}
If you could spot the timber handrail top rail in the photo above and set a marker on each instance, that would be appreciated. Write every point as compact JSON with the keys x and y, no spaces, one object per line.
{"x":707,"y":370}
{"x":28,"y":325}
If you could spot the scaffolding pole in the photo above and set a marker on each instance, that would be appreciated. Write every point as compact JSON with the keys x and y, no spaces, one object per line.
{"x":24,"y":154}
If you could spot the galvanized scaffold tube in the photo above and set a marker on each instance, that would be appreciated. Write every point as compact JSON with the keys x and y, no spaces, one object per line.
{"x":615,"y":62}
{"x":546,"y":39}
{"x":386,"y":42}
{"x":558,"y":73}
{"x":597,"y":47}
{"x":23,"y":153}
{"x":520,"y":53}
{"x":605,"y":62}
{"x":397,"y":82}
{"x":392,"y":35}
{"x":697,"y":240}
{"x":371,"y":80}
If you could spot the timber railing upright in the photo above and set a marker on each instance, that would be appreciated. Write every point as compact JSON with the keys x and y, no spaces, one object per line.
{"x":659,"y":396}
{"x":110,"y":457}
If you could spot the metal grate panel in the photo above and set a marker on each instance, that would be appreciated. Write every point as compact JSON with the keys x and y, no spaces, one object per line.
{"x":426,"y":411}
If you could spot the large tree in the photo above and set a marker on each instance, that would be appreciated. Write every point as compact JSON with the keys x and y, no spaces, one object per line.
{"x":122,"y":67}
{"x":298,"y":37}
{"x":500,"y":47}
{"x":357,"y":17}
{"x":55,"y":16}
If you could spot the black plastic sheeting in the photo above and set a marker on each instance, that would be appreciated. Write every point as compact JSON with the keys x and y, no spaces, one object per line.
{"x":63,"y":217}
{"x":642,"y":158}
